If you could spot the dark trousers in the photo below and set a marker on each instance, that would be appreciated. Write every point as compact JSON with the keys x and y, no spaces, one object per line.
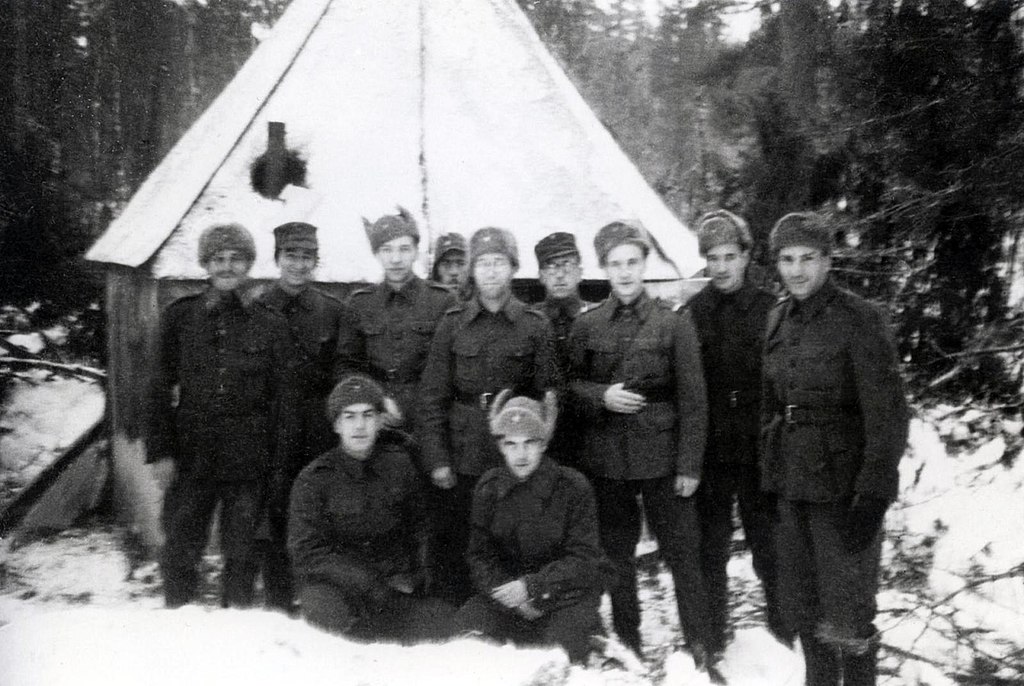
{"x":312,"y":437}
{"x":673,"y":521}
{"x":570,"y":626}
{"x":721,"y":485}
{"x":188,"y":509}
{"x":452,"y":509}
{"x":828,"y":593}
{"x":402,"y":618}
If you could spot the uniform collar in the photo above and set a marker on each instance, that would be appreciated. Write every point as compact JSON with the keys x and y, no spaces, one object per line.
{"x":810,"y":307}
{"x":742,"y":298}
{"x":357,"y":469}
{"x":641,"y":306}
{"x":513,"y":309}
{"x":279,"y":299}
{"x":541,"y":482}
{"x":408,"y":291}
{"x":217,"y":302}
{"x":563,"y":307}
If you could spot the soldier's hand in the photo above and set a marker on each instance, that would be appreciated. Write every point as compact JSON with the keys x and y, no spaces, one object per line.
{"x":442,"y":477}
{"x":686,"y":485}
{"x":511,"y":594}
{"x":528,"y":611}
{"x":403,"y":583}
{"x":392,"y":413}
{"x":618,"y":399}
{"x":863,"y":521}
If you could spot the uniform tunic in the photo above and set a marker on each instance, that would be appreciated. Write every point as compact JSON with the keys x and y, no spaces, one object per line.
{"x":353,"y":525}
{"x":315,"y":323}
{"x":393,"y":335}
{"x":655,"y":352}
{"x":731,"y":329}
{"x":474,"y":355}
{"x":228,"y":362}
{"x":565,"y":446}
{"x":542,"y":530}
{"x":835,"y":425}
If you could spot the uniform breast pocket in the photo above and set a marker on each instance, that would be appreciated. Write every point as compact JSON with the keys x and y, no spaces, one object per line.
{"x":468,"y":364}
{"x":373,"y":332}
{"x":254,"y":356}
{"x":649,"y":359}
{"x":518,"y":362}
{"x":818,"y":366}
{"x":602,"y":357}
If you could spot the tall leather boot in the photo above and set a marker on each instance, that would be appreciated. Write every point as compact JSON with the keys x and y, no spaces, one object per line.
{"x":822,"y":662}
{"x":861,"y":669}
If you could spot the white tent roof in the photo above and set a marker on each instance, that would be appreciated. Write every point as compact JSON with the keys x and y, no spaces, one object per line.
{"x":451,"y":108}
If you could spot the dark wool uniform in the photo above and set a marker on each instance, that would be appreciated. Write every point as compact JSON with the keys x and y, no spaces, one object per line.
{"x":835,"y":424}
{"x":474,"y":355}
{"x":542,"y":530}
{"x":656,"y":353}
{"x":229,"y":361}
{"x":731,"y":330}
{"x":565,"y":446}
{"x":315,"y":321}
{"x":353,"y":526}
{"x":393,"y":335}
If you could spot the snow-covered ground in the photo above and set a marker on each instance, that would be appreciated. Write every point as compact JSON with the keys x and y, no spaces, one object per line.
{"x":81,"y":608}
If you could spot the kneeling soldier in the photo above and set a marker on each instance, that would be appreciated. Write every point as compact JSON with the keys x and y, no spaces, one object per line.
{"x":358,"y":530}
{"x":533,"y":554}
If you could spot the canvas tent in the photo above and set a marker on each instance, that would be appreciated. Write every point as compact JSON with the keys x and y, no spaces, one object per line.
{"x":452,"y":109}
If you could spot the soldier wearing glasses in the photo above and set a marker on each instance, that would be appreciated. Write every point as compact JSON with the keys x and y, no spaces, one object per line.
{"x":559,"y":272}
{"x":834,"y":426}
{"x":492,"y":341}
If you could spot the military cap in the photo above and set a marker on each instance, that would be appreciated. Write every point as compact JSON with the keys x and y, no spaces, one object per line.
{"x":389,"y":227}
{"x":449,"y":242}
{"x":522,"y":416}
{"x":618,"y":233}
{"x":558,"y":244}
{"x":722,"y":227}
{"x":226,"y":237}
{"x":808,"y":229}
{"x":354,"y":389}
{"x":295,"y":235}
{"x":490,"y":239}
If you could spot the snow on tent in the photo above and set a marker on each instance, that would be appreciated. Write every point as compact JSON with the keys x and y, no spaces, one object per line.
{"x":452,"y":109}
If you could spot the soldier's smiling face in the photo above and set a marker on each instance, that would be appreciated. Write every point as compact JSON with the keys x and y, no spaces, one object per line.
{"x":397,"y":256}
{"x":357,"y":426}
{"x":227,"y":269}
{"x":803,"y":270}
{"x":522,"y":454}
{"x":297,"y":266}
{"x":624,"y":265}
{"x":727,"y":264}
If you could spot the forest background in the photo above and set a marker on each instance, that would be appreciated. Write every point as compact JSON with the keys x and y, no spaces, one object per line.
{"x":902,"y":119}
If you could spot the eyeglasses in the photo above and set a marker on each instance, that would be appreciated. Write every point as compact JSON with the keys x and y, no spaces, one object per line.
{"x":488,"y":263}
{"x":560,"y":267}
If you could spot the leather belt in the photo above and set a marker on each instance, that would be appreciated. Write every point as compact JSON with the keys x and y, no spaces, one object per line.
{"x":739,"y":398}
{"x":796,"y":414}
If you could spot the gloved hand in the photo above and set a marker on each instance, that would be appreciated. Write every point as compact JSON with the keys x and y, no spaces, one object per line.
{"x":863,"y":521}
{"x":424,"y":581}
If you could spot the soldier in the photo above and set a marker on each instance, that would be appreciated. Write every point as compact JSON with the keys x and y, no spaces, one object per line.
{"x":396,"y":318}
{"x":636,"y":373}
{"x":835,"y":423}
{"x":486,"y":344}
{"x":558,"y":265}
{"x":315,"y":322}
{"x":225,"y":360}
{"x":730,"y":315}
{"x":450,"y":266}
{"x":533,"y":548}
{"x":359,"y":530}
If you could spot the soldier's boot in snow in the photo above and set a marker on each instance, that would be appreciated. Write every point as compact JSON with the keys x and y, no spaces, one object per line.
{"x":860,"y":663}
{"x":238,"y":582}
{"x":179,"y":585}
{"x":822,"y":662}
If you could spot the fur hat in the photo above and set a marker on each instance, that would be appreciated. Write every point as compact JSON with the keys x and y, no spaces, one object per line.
{"x":295,"y":235}
{"x":226,"y":237}
{"x":722,"y":227}
{"x":389,"y":227}
{"x":555,"y":245}
{"x":808,"y":229}
{"x":522,"y":416}
{"x":613,"y":235}
{"x":490,"y":239}
{"x":354,"y":390}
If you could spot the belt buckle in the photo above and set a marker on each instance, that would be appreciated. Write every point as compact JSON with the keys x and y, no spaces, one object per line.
{"x":485,"y":400}
{"x":390,"y":374}
{"x":734,"y":399}
{"x":789,"y":414}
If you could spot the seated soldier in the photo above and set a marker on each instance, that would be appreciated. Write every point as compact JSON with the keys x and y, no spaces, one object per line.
{"x":358,"y":529}
{"x":534,"y":555}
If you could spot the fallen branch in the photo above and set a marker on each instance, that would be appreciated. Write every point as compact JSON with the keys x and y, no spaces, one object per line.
{"x":988,"y":351}
{"x":73,"y":369}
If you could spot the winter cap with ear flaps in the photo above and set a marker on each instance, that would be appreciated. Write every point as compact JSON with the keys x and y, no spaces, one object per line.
{"x":355,"y":389}
{"x":722,"y":227}
{"x":807,"y":229}
{"x":522,"y":416}
{"x":226,"y":237}
{"x":389,"y":227}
